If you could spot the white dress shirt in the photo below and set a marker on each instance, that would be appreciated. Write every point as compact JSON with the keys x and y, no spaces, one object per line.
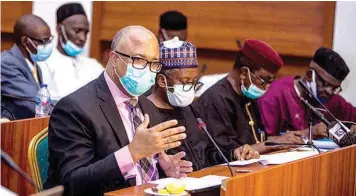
{"x":64,"y":74}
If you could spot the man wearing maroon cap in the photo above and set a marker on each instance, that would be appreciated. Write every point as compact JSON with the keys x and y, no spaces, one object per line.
{"x":230,"y":106}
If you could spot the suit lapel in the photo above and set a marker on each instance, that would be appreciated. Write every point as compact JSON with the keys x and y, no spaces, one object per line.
{"x":18,"y":54}
{"x":110,"y":111}
{"x":39,"y":74}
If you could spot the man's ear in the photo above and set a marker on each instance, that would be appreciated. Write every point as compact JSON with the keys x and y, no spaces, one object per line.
{"x":58,"y":29}
{"x":243,"y":72}
{"x":161,"y":80}
{"x":26,"y":43}
{"x":113,"y":59}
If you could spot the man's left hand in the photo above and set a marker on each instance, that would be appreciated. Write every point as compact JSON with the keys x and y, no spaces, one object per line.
{"x":174,"y":166}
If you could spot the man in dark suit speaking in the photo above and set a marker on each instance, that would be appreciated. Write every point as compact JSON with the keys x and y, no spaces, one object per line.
{"x":107,"y":136}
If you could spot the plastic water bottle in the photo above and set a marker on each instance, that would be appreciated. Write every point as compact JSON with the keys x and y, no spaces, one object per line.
{"x":43,"y":101}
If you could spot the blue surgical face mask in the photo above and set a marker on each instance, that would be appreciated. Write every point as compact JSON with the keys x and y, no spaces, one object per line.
{"x":253,"y":92}
{"x":43,"y":51}
{"x":136,"y":81}
{"x":69,"y":47}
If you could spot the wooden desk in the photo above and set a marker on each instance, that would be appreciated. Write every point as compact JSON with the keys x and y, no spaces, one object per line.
{"x":15,"y":139}
{"x":332,"y":173}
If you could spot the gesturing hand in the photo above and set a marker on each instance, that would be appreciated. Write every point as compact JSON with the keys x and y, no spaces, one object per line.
{"x":174,"y":166}
{"x":149,"y":141}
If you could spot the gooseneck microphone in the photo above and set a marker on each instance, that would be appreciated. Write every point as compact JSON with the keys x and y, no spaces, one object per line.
{"x":341,"y":134}
{"x":8,"y":161}
{"x":312,"y":96}
{"x":317,"y":113}
{"x":202,"y":126}
{"x":291,"y":144}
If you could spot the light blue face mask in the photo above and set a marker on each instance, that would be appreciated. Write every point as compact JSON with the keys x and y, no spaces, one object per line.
{"x":43,"y":51}
{"x":136,"y":81}
{"x":69,"y":47}
{"x":253,"y":92}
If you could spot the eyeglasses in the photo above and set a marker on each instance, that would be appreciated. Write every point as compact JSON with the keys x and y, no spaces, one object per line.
{"x":187,"y":86}
{"x":263,"y":82}
{"x":335,"y":90}
{"x":42,"y":41}
{"x":141,"y":63}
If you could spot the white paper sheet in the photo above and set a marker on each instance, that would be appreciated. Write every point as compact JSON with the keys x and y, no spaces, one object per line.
{"x":242,"y":163}
{"x":285,"y":157}
{"x":193,"y":183}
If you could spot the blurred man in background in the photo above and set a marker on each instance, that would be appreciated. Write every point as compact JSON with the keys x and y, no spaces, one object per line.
{"x":67,"y":70}
{"x":172,"y":24}
{"x":282,"y":110}
{"x":20,"y":74}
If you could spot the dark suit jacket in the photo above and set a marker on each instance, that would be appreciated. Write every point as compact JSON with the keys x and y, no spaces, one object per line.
{"x":18,"y":86}
{"x":85,"y":130}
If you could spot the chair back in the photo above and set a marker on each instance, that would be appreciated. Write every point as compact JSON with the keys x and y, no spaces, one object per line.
{"x":38,"y":157}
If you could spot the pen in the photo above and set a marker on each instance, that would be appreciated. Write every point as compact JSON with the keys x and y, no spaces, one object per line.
{"x":243,"y":171}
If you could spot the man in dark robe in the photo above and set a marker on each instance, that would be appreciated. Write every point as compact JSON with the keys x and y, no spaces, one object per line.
{"x":230,"y":106}
{"x":282,"y":110}
{"x":173,"y":96}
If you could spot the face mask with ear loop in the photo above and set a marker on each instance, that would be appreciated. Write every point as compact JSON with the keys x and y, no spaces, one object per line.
{"x":313,"y":87}
{"x":253,"y":92}
{"x":69,"y":47}
{"x":165,"y":36}
{"x":43,"y":51}
{"x":179,"y":97}
{"x":136,"y":81}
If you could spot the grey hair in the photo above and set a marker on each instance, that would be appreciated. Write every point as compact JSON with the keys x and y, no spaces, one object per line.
{"x":117,"y":39}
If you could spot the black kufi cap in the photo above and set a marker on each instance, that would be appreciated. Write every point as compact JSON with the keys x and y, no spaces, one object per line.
{"x":331,"y":62}
{"x":173,"y":20}
{"x":68,"y":10}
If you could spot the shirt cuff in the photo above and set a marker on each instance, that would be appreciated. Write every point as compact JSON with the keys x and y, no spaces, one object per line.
{"x":124,"y":160}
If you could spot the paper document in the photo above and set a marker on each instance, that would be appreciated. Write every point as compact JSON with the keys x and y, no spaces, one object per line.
{"x":285,"y":157}
{"x":325,"y":144}
{"x":242,"y":163}
{"x":193,"y":183}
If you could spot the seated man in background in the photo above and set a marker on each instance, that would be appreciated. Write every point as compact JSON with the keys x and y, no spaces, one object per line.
{"x":172,"y":24}
{"x":20,"y":75}
{"x":282,"y":110}
{"x":229,"y":105}
{"x":106,"y":136}
{"x":66,"y":70}
{"x":173,"y":95}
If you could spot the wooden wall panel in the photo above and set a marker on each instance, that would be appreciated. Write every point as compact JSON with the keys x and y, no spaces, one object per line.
{"x":292,"y":28}
{"x":219,"y":61}
{"x":10,"y":12}
{"x":15,"y":139}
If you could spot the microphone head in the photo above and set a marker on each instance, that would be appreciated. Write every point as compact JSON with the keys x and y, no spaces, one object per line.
{"x":348,"y":140}
{"x":200,"y":121}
